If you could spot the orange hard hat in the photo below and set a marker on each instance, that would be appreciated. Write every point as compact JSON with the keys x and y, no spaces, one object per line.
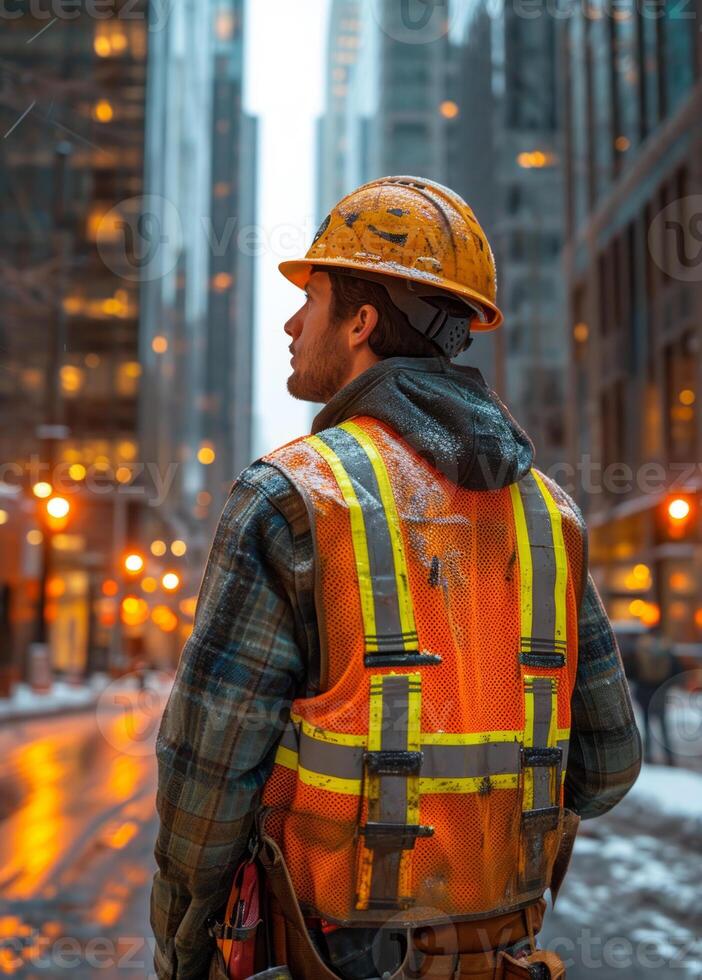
{"x":412,"y":229}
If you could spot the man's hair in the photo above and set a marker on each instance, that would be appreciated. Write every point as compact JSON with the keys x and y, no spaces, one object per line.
{"x":393,"y":336}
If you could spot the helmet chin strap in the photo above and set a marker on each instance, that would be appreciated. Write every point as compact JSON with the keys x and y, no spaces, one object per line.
{"x":442,"y":319}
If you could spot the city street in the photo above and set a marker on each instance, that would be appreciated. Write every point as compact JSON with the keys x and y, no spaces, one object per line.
{"x":76,"y":848}
{"x":76,"y":858}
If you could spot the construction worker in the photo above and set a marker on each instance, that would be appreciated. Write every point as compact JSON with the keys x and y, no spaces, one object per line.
{"x":401,"y":691}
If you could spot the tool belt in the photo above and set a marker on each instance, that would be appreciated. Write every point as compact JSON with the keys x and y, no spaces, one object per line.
{"x":441,"y":953}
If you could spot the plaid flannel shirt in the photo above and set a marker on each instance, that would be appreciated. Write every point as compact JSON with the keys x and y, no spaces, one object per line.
{"x":254,"y":647}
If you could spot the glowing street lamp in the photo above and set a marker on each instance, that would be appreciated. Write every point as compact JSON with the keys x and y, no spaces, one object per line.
{"x":134,"y":563}
{"x":679,"y":509}
{"x":58,"y":507}
{"x":170,"y":581}
{"x":42,"y":490}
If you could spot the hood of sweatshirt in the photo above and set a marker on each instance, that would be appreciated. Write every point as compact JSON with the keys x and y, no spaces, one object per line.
{"x":445,"y":412}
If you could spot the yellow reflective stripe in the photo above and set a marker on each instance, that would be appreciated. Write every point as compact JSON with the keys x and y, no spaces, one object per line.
{"x":286,"y":757}
{"x":469,"y":738}
{"x":528,"y":741}
{"x":358,"y":533}
{"x":526,"y":568}
{"x":560,"y":558}
{"x":387,"y":497}
{"x":336,"y":784}
{"x":371,"y":789}
{"x":325,"y":735}
{"x":468,"y":784}
{"x":375,"y":712}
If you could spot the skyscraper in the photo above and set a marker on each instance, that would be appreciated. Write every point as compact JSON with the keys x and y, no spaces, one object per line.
{"x":72,"y":119}
{"x":198,"y":318}
{"x":464,"y":94}
{"x":634,"y":181}
{"x":507,"y":159}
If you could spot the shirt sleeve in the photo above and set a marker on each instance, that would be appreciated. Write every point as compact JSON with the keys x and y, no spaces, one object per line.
{"x":236,"y":677}
{"x":604,"y":756}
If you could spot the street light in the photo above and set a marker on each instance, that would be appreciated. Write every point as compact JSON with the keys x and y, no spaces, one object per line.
{"x":170,"y":581}
{"x":133,"y":563}
{"x":42,"y":490}
{"x":679,"y":509}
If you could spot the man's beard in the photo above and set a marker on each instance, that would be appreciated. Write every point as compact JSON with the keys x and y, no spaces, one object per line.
{"x":326,"y":367}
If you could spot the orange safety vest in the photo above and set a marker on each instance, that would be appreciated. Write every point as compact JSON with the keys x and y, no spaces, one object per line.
{"x":428,"y":774}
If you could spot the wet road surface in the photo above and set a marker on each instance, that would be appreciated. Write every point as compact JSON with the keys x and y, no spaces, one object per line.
{"x":76,"y":848}
{"x":76,"y":860}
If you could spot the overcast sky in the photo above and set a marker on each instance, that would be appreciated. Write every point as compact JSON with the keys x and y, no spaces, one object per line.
{"x":285,"y":48}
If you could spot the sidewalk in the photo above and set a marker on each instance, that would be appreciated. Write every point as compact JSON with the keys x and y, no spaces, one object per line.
{"x":26,"y":704}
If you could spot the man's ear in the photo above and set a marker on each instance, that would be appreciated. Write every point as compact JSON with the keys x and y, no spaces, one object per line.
{"x":364,"y":323}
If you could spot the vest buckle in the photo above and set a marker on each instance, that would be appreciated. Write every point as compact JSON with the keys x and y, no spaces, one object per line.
{"x":393,"y":762}
{"x":394,"y":836}
{"x":542,"y":756}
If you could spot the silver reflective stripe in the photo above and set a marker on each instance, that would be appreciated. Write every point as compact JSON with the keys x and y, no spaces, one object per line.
{"x":542,"y":787}
{"x":290,"y":737}
{"x":543,"y":559}
{"x":380,"y":554}
{"x":391,"y":806}
{"x":440,"y":761}
{"x":563,"y":744}
{"x":326,"y":758}
{"x":466,"y":761}
{"x":543,"y":689}
{"x":393,"y":789}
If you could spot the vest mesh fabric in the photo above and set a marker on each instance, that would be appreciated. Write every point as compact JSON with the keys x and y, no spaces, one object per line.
{"x":491,"y":814}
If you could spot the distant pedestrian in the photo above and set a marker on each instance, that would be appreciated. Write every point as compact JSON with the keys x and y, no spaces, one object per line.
{"x":654,"y":666}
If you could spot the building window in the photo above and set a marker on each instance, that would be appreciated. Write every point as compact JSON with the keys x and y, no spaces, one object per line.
{"x":579,"y":173}
{"x":679,"y":33}
{"x":530,"y":61}
{"x":650,"y":57}
{"x":681,"y":398}
{"x":601,"y":59}
{"x":626,"y":82}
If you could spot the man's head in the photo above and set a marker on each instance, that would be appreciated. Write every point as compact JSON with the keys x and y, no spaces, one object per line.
{"x":346,"y":325}
{"x":398,"y":267}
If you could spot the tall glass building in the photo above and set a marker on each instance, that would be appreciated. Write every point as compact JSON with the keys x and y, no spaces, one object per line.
{"x":633,"y":102}
{"x":197,"y":294}
{"x":127,"y":175}
{"x":72,"y":124}
{"x":465,"y":94}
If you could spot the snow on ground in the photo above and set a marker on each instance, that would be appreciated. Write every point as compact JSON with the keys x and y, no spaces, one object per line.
{"x":64,"y":696}
{"x":675,"y":792}
{"x":631,"y":905}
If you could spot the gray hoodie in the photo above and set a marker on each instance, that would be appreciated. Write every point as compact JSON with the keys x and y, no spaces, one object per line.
{"x":447,"y":414}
